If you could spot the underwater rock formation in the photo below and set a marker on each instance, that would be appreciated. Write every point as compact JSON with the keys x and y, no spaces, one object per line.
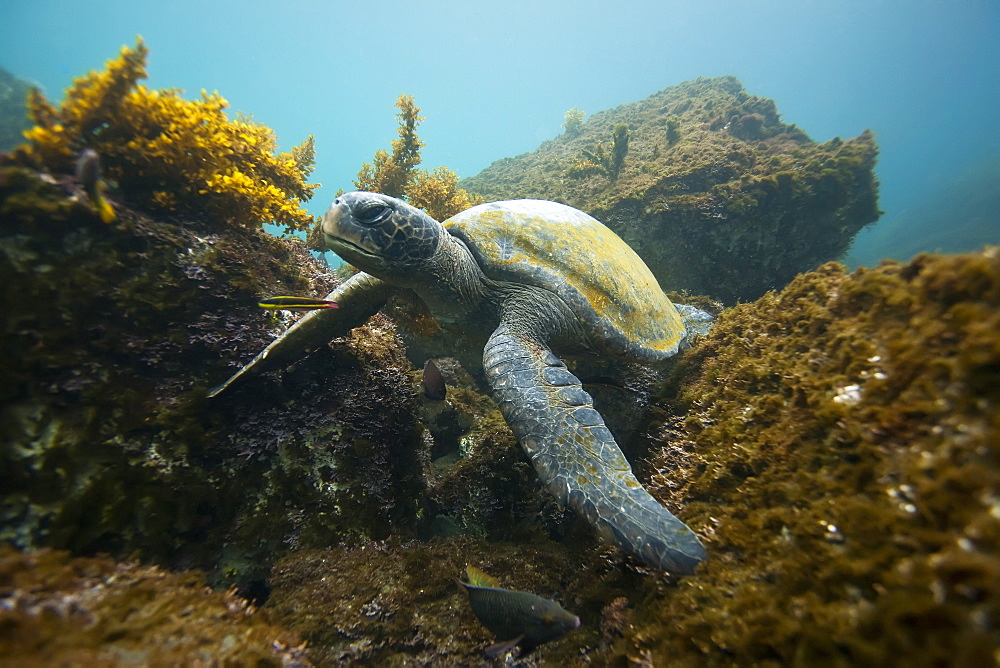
{"x":113,"y":330}
{"x":112,"y":334}
{"x":838,"y":445}
{"x":392,"y":604}
{"x":712,"y":189}
{"x":478,"y":481}
{"x":57,"y":611}
{"x":835,"y":443}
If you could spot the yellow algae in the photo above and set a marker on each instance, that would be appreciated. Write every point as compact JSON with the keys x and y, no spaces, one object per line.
{"x":172,"y":153}
{"x":436,"y":191}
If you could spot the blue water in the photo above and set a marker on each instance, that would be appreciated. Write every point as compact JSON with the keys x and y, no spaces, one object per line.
{"x":494,"y":79}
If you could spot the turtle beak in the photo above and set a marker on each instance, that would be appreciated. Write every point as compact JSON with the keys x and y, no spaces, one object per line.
{"x":340,"y":231}
{"x":333,"y":220}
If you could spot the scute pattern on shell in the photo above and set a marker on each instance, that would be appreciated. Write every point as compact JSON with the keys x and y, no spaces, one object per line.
{"x":564,"y":250}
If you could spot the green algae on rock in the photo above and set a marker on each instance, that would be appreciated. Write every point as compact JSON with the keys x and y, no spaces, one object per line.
{"x":476,"y":476}
{"x":840,"y":442}
{"x":716,"y":193}
{"x":59,"y":611}
{"x":113,"y":332}
{"x":389,"y":603}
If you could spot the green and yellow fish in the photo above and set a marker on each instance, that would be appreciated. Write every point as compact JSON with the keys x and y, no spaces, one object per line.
{"x":88,"y":172}
{"x":295,"y":303}
{"x":516,"y":618}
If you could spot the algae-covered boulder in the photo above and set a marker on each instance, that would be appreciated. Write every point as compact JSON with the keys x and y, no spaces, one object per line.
{"x":58,"y":611}
{"x":115,"y":325}
{"x":389,"y":604}
{"x":707,"y":184}
{"x":112,"y":335}
{"x":838,"y":445}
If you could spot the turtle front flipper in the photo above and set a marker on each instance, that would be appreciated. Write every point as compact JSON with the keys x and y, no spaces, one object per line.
{"x":576,"y":456}
{"x":358,"y":299}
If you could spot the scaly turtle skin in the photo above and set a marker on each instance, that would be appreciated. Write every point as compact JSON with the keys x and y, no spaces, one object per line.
{"x":524,"y":278}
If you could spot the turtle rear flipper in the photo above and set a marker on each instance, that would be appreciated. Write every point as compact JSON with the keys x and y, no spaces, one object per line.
{"x":576,"y":456}
{"x":358,"y":299}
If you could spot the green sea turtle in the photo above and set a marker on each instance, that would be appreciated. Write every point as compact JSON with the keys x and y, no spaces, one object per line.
{"x":522,"y":279}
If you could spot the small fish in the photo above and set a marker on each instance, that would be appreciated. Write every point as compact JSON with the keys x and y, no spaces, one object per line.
{"x":88,"y":173}
{"x":433,"y":382}
{"x":515,"y":617}
{"x":295,"y":303}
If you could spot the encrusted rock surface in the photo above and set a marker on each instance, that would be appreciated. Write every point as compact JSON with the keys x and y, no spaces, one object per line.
{"x":715,"y":192}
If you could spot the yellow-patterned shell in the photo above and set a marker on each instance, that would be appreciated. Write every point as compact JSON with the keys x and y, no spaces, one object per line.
{"x":563,"y":249}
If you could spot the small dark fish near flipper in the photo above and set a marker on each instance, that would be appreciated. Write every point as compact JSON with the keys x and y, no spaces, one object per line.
{"x":295,"y":303}
{"x":515,"y":617}
{"x":88,"y":172}
{"x":433,"y":382}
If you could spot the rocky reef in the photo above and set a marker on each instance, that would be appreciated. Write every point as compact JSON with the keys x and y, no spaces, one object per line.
{"x":113,"y":333}
{"x":58,"y":611}
{"x":834,"y":444}
{"x":707,"y":184}
{"x":838,"y":444}
{"x":392,"y":604}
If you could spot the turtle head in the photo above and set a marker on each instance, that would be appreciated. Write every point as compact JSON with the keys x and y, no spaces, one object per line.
{"x":382,"y":235}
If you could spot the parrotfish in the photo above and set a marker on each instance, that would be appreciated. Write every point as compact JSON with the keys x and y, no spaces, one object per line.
{"x":88,"y":172}
{"x":516,"y":618}
{"x":295,"y":303}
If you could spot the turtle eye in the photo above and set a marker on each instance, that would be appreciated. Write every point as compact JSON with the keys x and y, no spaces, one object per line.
{"x":371,"y":214}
